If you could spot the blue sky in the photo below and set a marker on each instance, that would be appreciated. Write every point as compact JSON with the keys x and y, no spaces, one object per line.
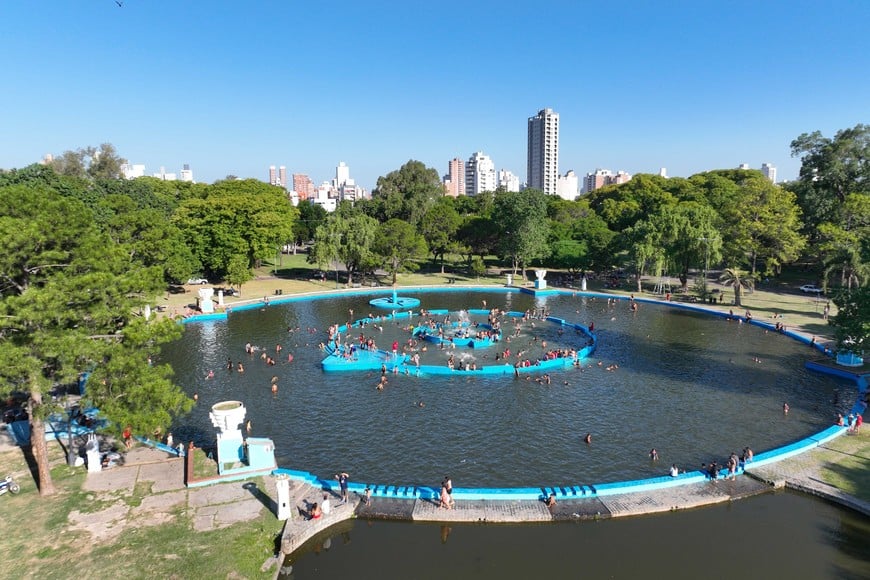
{"x":232,"y":87}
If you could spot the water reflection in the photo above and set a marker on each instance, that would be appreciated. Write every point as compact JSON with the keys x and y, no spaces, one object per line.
{"x":777,"y":535}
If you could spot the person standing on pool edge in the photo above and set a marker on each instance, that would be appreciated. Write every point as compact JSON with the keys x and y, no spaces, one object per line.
{"x":342,"y":483}
{"x":448,"y":486}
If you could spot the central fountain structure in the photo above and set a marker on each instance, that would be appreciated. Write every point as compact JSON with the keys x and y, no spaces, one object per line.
{"x":395,"y":302}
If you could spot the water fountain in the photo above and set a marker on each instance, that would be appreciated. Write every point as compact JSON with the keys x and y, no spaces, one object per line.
{"x":395,"y":302}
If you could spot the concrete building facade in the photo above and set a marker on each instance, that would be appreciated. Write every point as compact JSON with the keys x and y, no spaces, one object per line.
{"x":542,"y":171}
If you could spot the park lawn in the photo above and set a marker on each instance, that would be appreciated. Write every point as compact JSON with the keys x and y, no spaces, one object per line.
{"x":40,"y":542}
{"x":846,"y":464}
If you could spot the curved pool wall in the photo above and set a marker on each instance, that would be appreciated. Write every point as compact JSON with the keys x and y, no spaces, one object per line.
{"x":372,"y":360}
{"x":413,"y":492}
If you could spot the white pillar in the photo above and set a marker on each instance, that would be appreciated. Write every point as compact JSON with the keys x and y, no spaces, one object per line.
{"x":282,"y":485}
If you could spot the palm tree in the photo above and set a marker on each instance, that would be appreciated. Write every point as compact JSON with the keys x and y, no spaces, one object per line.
{"x":739,"y":280}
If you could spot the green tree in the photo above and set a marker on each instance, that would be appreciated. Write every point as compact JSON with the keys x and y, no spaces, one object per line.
{"x":844,"y":246}
{"x":522,"y":220}
{"x":852,"y":322}
{"x":760,"y":224}
{"x":67,"y":302}
{"x":241,"y":221}
{"x":738,"y":280}
{"x":398,"y":244}
{"x":478,"y":236}
{"x":439,"y":227}
{"x":831,"y":169}
{"x":311,"y":216}
{"x":100,"y":162}
{"x":407,"y":193}
{"x":346,"y":237}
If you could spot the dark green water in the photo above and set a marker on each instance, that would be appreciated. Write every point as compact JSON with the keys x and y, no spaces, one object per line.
{"x":773,"y":536}
{"x":687,"y":384}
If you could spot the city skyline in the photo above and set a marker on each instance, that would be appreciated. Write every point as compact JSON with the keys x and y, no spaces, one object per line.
{"x":682,"y":86}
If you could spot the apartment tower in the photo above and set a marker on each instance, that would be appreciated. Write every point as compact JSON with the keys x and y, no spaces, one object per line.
{"x":543,"y":152}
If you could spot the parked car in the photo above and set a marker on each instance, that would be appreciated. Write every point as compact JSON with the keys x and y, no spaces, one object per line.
{"x":197,"y":281}
{"x":811,"y":289}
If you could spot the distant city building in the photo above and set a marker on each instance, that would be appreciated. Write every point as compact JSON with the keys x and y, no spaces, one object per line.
{"x":567,"y":186}
{"x":507,"y":181}
{"x":164,"y":176}
{"x":601,"y":177}
{"x":303,"y":186}
{"x":186,"y":173}
{"x":345,"y":188}
{"x":596,"y":180}
{"x":454,"y":181}
{"x":743,"y":166}
{"x":769,"y":171}
{"x":342,"y":174}
{"x":323,"y":198}
{"x":543,"y":151}
{"x":130,"y":171}
{"x":663,"y":172}
{"x":620,"y":177}
{"x":47,"y":159}
{"x":278,"y":177}
{"x":479,"y":174}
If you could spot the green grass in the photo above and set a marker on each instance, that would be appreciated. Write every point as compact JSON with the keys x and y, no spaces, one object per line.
{"x":847,"y":464}
{"x":40,"y":544}
{"x":203,"y":466}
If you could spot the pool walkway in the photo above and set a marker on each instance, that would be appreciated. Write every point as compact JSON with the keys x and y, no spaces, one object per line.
{"x":803,"y":472}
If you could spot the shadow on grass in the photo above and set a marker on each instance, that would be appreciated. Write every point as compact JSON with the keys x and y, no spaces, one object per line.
{"x":261,"y":496}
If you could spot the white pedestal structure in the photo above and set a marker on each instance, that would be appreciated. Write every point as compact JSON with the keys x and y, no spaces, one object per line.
{"x":228,"y":417}
{"x":205,"y":303}
{"x":541,"y":282}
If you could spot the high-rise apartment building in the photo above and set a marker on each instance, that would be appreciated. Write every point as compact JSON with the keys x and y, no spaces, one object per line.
{"x":479,"y":174}
{"x":278,"y":177}
{"x":303,"y":186}
{"x":507,"y":181}
{"x":186,"y":173}
{"x":454,"y":181}
{"x":543,"y":151}
{"x":769,"y":171}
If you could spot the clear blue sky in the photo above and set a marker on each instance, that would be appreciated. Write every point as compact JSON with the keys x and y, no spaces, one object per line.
{"x":231,"y":87}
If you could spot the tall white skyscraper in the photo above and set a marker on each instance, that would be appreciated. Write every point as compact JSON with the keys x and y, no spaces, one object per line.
{"x":342,"y":173}
{"x":769,"y":171}
{"x":480,"y":174}
{"x":543,"y":152}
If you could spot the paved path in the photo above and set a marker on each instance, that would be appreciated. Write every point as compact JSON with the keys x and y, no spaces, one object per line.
{"x":145,"y":469}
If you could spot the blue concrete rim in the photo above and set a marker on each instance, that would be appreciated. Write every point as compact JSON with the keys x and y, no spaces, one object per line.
{"x":561,"y":492}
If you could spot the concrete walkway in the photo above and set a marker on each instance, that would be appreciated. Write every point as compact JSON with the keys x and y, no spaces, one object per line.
{"x":149,"y":489}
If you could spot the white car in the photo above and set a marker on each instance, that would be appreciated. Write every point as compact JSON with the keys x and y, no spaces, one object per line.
{"x":197,"y":281}
{"x":810,"y":289}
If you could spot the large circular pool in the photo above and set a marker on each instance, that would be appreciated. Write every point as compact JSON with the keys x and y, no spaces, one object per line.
{"x":695,"y":387}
